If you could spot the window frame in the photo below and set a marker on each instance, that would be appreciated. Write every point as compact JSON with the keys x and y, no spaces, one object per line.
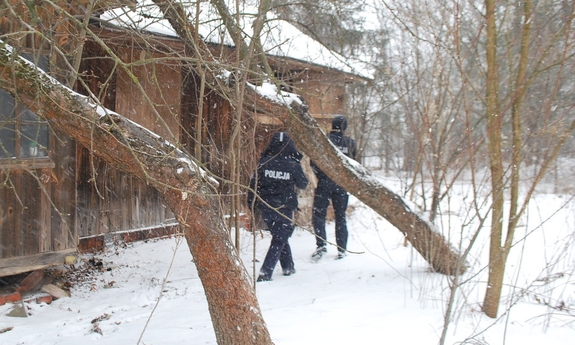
{"x":17,"y":118}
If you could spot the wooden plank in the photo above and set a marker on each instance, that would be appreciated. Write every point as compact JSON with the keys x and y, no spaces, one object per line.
{"x":62,"y":217}
{"x":11,"y":266}
{"x":5,"y":219}
{"x":98,"y":242}
{"x":36,"y":223}
{"x":43,"y":232}
{"x":15,"y":240}
{"x":26,"y":191}
{"x":263,"y":119}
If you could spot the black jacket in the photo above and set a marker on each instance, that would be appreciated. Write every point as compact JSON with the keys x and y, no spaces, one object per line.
{"x":278,"y":173}
{"x":345,"y":144}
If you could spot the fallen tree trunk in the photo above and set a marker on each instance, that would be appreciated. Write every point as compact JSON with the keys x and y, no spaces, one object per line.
{"x":187,"y":189}
{"x":422,"y":234}
{"x":293,"y":112}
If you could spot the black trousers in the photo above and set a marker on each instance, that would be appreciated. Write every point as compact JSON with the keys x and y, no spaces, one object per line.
{"x":326,"y":191}
{"x":281,"y":227}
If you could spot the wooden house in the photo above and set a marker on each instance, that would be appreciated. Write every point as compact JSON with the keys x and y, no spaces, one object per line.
{"x":57,"y":198}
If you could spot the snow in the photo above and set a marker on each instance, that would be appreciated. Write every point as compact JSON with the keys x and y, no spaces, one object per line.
{"x":271,"y":92}
{"x":279,"y":38}
{"x":382,"y":292}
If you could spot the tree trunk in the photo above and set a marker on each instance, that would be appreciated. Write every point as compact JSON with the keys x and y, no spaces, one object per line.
{"x":498,"y":251}
{"x":186,"y":188}
{"x":497,"y":254}
{"x":357,"y":180}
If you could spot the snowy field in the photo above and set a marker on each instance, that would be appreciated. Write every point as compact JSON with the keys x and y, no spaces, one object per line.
{"x":149,"y":293}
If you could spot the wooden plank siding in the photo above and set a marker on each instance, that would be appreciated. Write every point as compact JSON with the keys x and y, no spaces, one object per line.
{"x":62,"y":207}
{"x":329,"y":95}
{"x":22,"y":224}
{"x":152,"y":97}
{"x":25,"y":217}
{"x":16,"y":265}
{"x":37,"y":208}
{"x":110,"y":201}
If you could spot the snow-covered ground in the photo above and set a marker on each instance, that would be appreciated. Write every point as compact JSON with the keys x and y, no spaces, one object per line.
{"x":149,"y":293}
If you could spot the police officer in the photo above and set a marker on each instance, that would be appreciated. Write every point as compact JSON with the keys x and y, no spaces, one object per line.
{"x":278,"y":173}
{"x":327,"y":190}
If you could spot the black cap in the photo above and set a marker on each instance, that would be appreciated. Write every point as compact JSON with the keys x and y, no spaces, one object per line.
{"x":339,"y":122}
{"x":282,"y":144}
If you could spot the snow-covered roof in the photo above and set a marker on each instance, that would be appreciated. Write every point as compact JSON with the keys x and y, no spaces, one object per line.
{"x":279,"y":38}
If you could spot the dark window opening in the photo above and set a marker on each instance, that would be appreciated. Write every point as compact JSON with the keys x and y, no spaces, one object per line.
{"x":23,"y":135}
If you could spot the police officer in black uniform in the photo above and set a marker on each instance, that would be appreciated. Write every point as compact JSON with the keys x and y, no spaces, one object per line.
{"x":327,"y":189}
{"x":278,"y":173}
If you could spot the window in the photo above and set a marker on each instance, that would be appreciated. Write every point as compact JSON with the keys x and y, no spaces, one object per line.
{"x":23,"y":135}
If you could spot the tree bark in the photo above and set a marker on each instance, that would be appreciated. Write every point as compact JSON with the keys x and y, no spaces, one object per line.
{"x":498,"y":251}
{"x":187,"y":189}
{"x":494,"y":122}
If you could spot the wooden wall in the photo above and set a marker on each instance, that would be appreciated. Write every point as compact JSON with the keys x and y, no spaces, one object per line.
{"x":24,"y":212}
{"x":37,"y":210}
{"x":108,"y":199}
{"x":323,"y":89}
{"x":154,"y":100}
{"x":324,"y":95}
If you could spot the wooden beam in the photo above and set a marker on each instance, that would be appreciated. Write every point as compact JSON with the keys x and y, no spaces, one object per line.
{"x":324,"y":116}
{"x":91,"y":244}
{"x":21,"y":264}
{"x":264,"y":119}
